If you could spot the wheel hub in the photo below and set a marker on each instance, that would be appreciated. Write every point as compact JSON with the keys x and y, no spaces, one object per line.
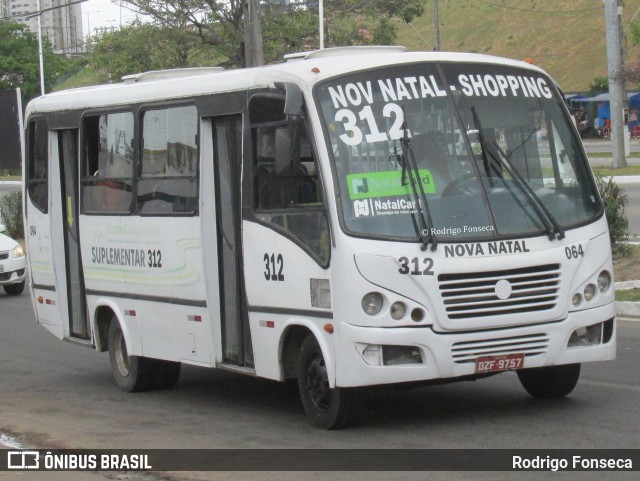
{"x":121,"y":355}
{"x":318,"y":383}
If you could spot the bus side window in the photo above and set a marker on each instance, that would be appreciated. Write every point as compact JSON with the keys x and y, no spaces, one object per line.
{"x":168,"y":178}
{"x":287,"y":189}
{"x":37,"y":173}
{"x":107,"y":165}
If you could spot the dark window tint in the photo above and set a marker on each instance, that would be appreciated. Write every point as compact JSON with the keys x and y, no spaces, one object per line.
{"x":37,"y":171}
{"x":107,"y":169}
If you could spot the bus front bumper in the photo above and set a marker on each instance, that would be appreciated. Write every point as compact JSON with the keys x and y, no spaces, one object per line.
{"x":372,"y":356}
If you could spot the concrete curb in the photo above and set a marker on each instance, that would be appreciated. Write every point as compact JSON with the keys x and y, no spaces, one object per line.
{"x":628,"y":309}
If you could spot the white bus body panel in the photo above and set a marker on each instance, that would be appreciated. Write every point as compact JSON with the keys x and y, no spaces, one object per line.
{"x":278,"y":304}
{"x":154,"y":272}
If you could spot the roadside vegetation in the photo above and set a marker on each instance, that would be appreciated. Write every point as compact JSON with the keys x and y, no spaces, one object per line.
{"x":11,"y":214}
{"x":628,"y":295}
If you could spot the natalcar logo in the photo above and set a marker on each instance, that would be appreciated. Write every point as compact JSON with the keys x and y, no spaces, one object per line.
{"x":369,"y":185}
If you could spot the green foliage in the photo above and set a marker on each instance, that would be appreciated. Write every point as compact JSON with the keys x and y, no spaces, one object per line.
{"x":598,"y":85}
{"x":628,"y":295}
{"x":19,"y":62}
{"x":615,"y":200}
{"x":140,"y":47}
{"x":351,"y":22}
{"x":295,"y":31}
{"x":286,"y":28}
{"x":11,"y":214}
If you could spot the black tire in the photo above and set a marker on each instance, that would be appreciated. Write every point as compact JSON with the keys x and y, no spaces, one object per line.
{"x":326,"y":408}
{"x":550,"y":382}
{"x":167,"y":373}
{"x":14,"y":289}
{"x":132,"y":373}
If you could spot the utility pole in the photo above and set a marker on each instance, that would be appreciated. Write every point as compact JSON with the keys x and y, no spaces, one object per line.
{"x":253,"y":34}
{"x":616,"y":83}
{"x":436,"y":21}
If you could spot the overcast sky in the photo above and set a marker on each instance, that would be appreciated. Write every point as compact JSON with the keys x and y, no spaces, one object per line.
{"x":104,"y":13}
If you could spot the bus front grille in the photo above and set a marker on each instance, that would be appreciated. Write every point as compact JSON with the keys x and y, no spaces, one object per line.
{"x":498,"y":293}
{"x":530,"y":345}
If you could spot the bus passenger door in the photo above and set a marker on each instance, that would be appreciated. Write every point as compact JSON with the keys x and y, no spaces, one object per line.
{"x":40,"y":203}
{"x":78,"y":322}
{"x":225,"y":220}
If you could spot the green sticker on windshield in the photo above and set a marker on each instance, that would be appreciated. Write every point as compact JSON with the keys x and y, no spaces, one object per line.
{"x":368,"y":185}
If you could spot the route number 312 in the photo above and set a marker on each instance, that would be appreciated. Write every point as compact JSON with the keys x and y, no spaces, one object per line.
{"x":273,"y":267}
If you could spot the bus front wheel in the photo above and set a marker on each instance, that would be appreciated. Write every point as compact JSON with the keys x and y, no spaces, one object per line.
{"x":550,"y":382}
{"x":325,"y":407}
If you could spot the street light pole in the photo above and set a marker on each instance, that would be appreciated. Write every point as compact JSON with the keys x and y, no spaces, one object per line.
{"x":40,"y":53}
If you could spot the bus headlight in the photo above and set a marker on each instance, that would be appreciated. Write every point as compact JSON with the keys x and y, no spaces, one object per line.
{"x":589,"y":292}
{"x":372,"y":303}
{"x":576,"y":300}
{"x":398,"y":310}
{"x":604,"y":281}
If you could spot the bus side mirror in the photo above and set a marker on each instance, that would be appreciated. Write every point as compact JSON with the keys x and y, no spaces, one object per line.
{"x":293,"y":98}
{"x":287,"y":157}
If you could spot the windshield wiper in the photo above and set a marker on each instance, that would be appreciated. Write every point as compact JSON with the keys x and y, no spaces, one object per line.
{"x":410,"y":167}
{"x":552,"y":226}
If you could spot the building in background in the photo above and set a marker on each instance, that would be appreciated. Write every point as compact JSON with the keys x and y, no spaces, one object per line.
{"x":4,"y":9}
{"x":62,"y":26}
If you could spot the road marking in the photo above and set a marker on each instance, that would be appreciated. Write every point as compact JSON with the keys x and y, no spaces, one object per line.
{"x":9,"y":442}
{"x":612,"y":385}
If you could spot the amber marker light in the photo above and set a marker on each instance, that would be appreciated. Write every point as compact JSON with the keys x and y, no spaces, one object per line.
{"x":328,"y":328}
{"x":40,"y":300}
{"x":315,"y":70}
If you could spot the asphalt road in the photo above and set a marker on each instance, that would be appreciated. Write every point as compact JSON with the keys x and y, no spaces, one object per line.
{"x":56,"y":394}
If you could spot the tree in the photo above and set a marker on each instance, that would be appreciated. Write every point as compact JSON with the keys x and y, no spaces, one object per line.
{"x":598,"y":85}
{"x":372,"y":23}
{"x":19,"y":62}
{"x":631,"y":72}
{"x":286,"y":27}
{"x":140,"y":47}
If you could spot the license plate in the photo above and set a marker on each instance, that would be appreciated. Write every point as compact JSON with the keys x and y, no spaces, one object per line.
{"x":506,"y":362}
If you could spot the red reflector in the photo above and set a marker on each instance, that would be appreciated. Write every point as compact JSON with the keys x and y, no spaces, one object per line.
{"x":195,"y":318}
{"x":270,"y":324}
{"x":49,"y":302}
{"x":131,"y":313}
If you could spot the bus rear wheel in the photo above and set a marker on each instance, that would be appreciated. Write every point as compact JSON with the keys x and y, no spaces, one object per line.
{"x":135,"y":373}
{"x":325,"y":407}
{"x":550,"y":382}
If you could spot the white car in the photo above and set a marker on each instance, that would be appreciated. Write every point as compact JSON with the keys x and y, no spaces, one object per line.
{"x":13,"y":264}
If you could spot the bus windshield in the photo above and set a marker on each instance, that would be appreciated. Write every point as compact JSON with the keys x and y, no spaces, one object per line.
{"x":491,"y":148}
